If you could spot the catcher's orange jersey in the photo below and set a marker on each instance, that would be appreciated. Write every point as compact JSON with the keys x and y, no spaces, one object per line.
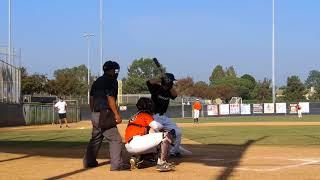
{"x":138,"y":125}
{"x":197,"y":106}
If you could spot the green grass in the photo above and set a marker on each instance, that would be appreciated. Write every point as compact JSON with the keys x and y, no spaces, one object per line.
{"x":64,"y":138}
{"x":288,"y":118}
{"x":273,"y":135}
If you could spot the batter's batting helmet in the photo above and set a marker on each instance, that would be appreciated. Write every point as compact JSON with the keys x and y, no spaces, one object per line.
{"x":145,"y":104}
{"x":167,"y":80}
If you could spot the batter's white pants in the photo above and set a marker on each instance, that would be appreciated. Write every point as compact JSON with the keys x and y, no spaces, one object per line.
{"x":168,"y":125}
{"x":144,"y":144}
{"x":196,"y":114}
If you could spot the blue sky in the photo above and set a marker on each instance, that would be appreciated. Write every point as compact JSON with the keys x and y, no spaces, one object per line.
{"x":189,"y":37}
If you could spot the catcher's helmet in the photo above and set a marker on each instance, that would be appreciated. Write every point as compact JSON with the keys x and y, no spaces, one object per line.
{"x":145,"y":104}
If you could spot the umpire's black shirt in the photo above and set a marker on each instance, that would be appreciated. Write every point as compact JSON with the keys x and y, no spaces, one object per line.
{"x":102,"y":87}
{"x":160,"y":97}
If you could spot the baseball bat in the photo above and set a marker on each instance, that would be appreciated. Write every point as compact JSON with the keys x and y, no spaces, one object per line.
{"x":156,"y":62}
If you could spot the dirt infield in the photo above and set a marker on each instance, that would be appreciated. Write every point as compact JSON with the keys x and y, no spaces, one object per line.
{"x":246,"y":161}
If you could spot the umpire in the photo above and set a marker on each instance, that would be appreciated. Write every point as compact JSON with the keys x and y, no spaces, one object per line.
{"x":103,"y":96}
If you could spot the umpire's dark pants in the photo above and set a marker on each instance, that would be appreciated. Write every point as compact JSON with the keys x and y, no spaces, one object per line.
{"x":115,"y":144}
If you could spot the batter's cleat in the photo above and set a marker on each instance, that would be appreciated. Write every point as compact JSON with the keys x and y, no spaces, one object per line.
{"x":150,"y":158}
{"x":164,"y":167}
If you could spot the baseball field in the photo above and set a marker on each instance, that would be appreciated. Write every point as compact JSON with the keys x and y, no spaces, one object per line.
{"x":266,"y":147}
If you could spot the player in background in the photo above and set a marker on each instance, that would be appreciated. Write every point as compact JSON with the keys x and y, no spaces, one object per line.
{"x":196,"y":111}
{"x":139,"y":142}
{"x":61,"y":106}
{"x":298,"y":107}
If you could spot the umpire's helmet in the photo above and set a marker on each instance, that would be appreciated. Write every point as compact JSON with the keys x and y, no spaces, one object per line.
{"x":145,"y":104}
{"x":108,"y":66}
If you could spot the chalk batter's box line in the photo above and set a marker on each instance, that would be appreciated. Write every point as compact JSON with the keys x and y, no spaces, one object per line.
{"x":304,"y":163}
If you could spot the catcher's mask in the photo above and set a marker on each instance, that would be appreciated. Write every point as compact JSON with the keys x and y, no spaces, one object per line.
{"x":145,"y":104}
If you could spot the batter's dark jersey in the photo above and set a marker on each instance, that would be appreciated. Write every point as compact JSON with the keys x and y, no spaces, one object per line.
{"x":160,"y":97}
{"x":102,"y":87}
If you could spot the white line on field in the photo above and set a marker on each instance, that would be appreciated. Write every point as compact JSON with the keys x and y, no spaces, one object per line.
{"x":304,"y":163}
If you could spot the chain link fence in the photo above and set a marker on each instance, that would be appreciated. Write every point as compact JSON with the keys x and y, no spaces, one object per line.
{"x":10,"y":77}
{"x":36,"y":113}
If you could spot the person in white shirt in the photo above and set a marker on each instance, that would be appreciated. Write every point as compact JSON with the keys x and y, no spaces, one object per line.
{"x":61,"y":106}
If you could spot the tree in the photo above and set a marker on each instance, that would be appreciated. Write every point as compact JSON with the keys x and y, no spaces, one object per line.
{"x":251,"y":79}
{"x":70,"y":81}
{"x":230,"y":72}
{"x":216,"y":74}
{"x":313,"y":79}
{"x":23,"y":72}
{"x":34,"y":84}
{"x":225,"y":91}
{"x":185,"y":86}
{"x":240,"y":85}
{"x":200,"y":89}
{"x":138,"y":73}
{"x":211,"y":93}
{"x":316,"y":95}
{"x":52,"y":87}
{"x":295,"y":89}
{"x":262,"y":92}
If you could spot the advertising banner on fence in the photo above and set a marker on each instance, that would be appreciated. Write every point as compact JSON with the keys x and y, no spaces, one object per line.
{"x":245,"y":109}
{"x":305,"y":108}
{"x":257,"y":108}
{"x":268,"y":108}
{"x":224,"y":109}
{"x":293,"y":108}
{"x":281,"y":108}
{"x":212,"y":110}
{"x":234,"y":108}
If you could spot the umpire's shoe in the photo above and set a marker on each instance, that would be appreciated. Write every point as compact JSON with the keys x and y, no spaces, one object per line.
{"x":90,"y":165}
{"x":123,"y":167}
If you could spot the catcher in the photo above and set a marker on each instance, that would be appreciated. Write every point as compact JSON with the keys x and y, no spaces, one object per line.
{"x":139,"y":142}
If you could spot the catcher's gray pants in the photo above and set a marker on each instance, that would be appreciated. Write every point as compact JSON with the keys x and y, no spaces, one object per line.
{"x":115,"y":144}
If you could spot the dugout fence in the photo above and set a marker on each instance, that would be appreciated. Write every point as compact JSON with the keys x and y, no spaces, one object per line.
{"x":37,"y":113}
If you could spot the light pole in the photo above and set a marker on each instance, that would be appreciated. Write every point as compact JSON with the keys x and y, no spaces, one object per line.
{"x":273,"y":56}
{"x":87,"y":35}
{"x":101,"y":35}
{"x":9,"y":31}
